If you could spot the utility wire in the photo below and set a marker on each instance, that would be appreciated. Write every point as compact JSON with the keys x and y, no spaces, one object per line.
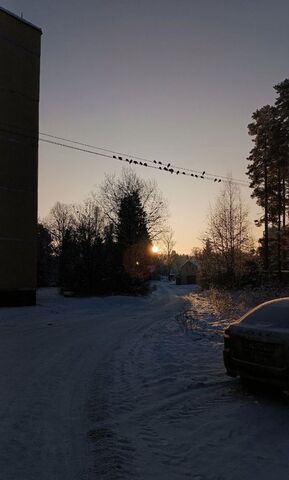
{"x":181,"y":169}
{"x":143,"y":159}
{"x":131,"y":159}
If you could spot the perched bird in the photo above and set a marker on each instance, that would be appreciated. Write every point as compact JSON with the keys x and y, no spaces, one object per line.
{"x":184,"y":173}
{"x":215,"y":179}
{"x":171,"y":170}
{"x":192,"y":175}
{"x":145,"y":164}
{"x":177,"y":172}
{"x":155,"y":161}
{"x":165,"y":168}
{"x":120,"y":158}
{"x":130,"y":161}
{"x":160,"y":163}
{"x":160,"y":168}
{"x":219,"y":180}
{"x":140,"y":163}
{"x":113,"y":156}
{"x":135,"y":162}
{"x":203,"y":172}
{"x":168,"y":165}
{"x":197,"y":176}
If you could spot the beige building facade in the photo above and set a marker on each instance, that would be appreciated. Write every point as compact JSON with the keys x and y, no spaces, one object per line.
{"x":19,"y":113}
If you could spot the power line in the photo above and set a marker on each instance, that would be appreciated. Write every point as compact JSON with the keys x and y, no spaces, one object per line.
{"x":131,"y":159}
{"x":148,"y":164}
{"x":178,"y":169}
{"x":173,"y":168}
{"x":143,"y":159}
{"x":74,"y":148}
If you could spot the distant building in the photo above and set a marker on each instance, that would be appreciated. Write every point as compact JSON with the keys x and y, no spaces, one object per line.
{"x":19,"y":106}
{"x":187,"y":274}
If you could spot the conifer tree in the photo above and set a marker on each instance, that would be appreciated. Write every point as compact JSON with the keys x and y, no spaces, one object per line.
{"x":268,"y":172}
{"x":282,"y":106}
{"x":133,"y":241}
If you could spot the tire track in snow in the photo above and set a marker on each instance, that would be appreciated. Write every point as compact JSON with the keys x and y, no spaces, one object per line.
{"x":170,"y":413}
{"x":153,"y":392}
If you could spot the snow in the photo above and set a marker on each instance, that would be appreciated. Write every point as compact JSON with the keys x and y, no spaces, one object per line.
{"x":115,"y":388}
{"x":273,"y":314}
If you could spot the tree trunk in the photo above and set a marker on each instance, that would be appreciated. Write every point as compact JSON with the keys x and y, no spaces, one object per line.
{"x":266,"y":218}
{"x":280,"y":209}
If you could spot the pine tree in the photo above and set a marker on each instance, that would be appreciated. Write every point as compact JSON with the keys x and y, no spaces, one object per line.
{"x":282,"y":102}
{"x":133,"y":242}
{"x":282,"y":107}
{"x":267,"y":172}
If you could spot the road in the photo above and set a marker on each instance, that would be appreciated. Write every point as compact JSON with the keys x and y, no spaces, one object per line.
{"x":113,"y":388}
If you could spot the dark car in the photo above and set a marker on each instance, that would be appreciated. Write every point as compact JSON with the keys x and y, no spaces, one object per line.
{"x":257,"y":348}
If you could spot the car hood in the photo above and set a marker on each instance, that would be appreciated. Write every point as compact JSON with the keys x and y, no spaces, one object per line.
{"x":273,"y":315}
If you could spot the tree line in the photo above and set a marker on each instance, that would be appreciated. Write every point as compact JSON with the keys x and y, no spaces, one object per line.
{"x":268,"y":171}
{"x":103,"y":245}
{"x":229,"y":257}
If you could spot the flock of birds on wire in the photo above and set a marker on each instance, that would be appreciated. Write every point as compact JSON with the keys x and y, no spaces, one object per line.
{"x":166,"y":167}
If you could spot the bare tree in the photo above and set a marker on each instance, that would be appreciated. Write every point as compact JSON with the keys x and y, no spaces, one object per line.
{"x":88,"y":219}
{"x":59,"y":220}
{"x":228,"y":231}
{"x":168,"y":243}
{"x":114,"y":189}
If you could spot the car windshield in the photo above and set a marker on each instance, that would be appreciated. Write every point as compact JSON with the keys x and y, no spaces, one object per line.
{"x":272,"y":314}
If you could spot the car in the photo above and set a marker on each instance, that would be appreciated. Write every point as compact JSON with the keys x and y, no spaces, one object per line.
{"x":257,"y":347}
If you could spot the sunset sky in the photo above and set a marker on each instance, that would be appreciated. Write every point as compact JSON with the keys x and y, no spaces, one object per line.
{"x":172,"y":80}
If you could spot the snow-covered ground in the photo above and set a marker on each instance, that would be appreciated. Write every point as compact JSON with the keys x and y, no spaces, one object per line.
{"x":115,"y":388}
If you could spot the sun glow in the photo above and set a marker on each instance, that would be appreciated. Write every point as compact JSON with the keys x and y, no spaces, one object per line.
{"x":155,"y":249}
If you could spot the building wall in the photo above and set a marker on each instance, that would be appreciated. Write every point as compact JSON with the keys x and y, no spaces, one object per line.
{"x":19,"y":100}
{"x":187,"y":275}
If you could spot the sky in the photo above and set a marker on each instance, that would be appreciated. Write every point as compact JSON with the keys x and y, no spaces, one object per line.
{"x":172,"y":80}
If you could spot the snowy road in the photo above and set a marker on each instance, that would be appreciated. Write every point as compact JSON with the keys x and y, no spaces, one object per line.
{"x":113,"y":388}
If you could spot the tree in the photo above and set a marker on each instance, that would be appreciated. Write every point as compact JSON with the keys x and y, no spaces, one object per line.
{"x":76,"y":231}
{"x":44,"y":256}
{"x":168,"y":243}
{"x":114,"y":189}
{"x":228,"y":235}
{"x":133,"y":242}
{"x":282,"y":103}
{"x":88,"y":238}
{"x":282,"y":107}
{"x":111,"y":259}
{"x":208,"y":265}
{"x":268,"y":173}
{"x":59,"y":220}
{"x":103,"y":244}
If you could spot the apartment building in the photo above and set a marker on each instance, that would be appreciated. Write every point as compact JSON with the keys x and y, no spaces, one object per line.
{"x":19,"y":115}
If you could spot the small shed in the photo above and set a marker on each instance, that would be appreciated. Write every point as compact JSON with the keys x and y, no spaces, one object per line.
{"x":187,"y":274}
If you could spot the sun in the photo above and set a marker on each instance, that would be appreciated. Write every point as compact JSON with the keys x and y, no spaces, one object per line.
{"x":155,"y":249}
